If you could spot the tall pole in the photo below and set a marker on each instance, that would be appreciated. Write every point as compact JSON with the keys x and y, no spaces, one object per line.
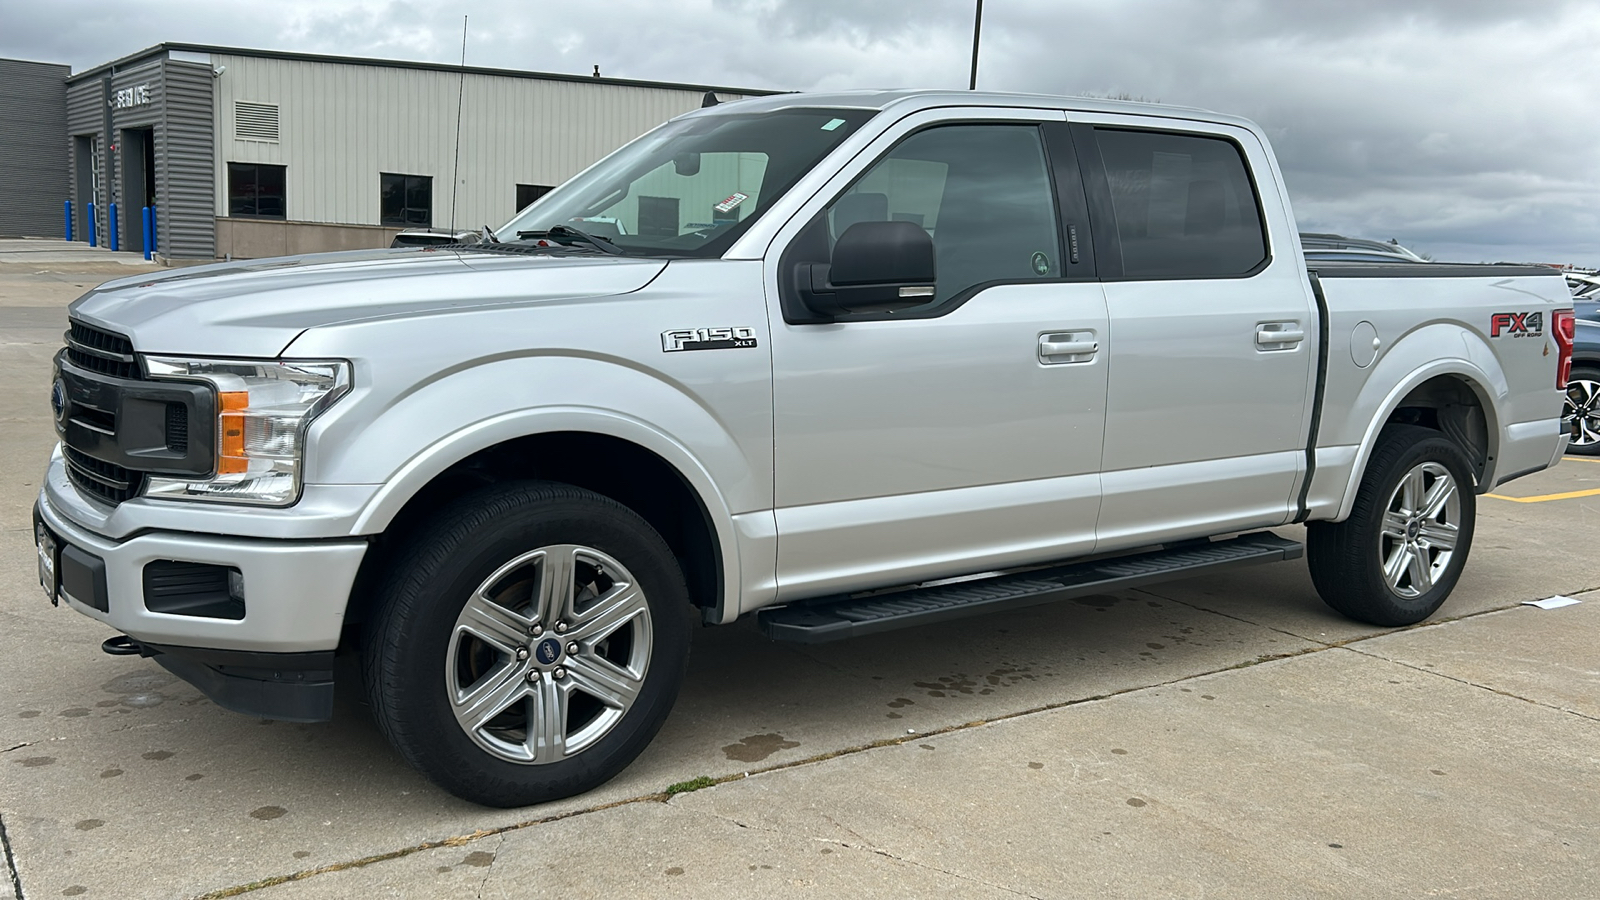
{"x":977,"y":29}
{"x":455,"y":167}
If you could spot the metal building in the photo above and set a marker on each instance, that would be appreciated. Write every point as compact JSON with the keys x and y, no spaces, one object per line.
{"x":251,"y":153}
{"x":33,"y":129}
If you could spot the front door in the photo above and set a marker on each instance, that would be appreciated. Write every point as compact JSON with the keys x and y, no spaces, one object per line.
{"x":965,"y":434}
{"x":1213,"y":337}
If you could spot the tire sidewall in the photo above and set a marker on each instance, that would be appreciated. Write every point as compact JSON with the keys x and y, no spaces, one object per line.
{"x":437,"y":582}
{"x":1434,"y":448}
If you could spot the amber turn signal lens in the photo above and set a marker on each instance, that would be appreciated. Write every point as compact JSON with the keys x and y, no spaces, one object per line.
{"x":230,"y":432}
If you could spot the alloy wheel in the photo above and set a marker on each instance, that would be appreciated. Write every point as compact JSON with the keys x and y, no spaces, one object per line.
{"x":548,"y":654}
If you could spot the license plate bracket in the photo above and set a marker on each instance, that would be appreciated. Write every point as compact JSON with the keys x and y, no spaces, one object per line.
{"x":49,"y":552}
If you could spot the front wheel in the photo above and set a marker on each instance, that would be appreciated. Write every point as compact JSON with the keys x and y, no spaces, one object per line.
{"x":1398,"y":556}
{"x":528,"y":645}
{"x":1583,"y":405}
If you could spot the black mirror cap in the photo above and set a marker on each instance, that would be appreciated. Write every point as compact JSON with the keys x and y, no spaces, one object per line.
{"x":883,"y":253}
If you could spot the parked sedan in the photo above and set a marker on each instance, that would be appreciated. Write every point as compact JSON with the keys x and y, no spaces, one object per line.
{"x":1583,"y":389}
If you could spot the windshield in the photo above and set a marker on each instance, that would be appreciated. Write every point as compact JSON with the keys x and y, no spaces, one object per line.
{"x":690,"y":187}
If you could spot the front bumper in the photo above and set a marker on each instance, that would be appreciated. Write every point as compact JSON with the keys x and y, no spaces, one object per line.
{"x":295,"y":591}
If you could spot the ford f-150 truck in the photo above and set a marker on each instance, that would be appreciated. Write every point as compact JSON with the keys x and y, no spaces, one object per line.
{"x":843,"y":362}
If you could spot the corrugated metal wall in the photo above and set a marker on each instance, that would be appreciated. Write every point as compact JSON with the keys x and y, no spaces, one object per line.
{"x":185,"y":174}
{"x":33,"y":141}
{"x":342,"y":125}
{"x":86,"y":105}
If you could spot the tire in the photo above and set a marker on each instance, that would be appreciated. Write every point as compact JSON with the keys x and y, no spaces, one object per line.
{"x":1583,"y":403}
{"x":1389,"y":526}
{"x":468,"y":661}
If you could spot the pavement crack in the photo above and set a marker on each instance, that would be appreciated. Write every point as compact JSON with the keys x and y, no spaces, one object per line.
{"x":11,"y":859}
{"x":1470,"y":683}
{"x":489,"y":869}
{"x":19,"y":746}
{"x":1218,"y":612}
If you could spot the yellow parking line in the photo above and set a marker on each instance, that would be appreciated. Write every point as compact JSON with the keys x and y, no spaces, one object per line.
{"x":1569,"y":495}
{"x":1587,"y":459}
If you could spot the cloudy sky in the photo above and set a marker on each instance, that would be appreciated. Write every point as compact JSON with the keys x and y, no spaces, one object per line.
{"x":1467,"y":129}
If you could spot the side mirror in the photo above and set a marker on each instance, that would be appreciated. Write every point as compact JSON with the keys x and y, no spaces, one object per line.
{"x":876,"y":267}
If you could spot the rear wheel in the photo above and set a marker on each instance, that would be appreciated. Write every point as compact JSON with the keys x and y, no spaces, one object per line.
{"x":1583,"y":404}
{"x":528,"y":645}
{"x":1397,"y":557}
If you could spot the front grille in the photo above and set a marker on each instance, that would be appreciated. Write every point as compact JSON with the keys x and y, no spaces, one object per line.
{"x":101,"y":351}
{"x":111,"y":483}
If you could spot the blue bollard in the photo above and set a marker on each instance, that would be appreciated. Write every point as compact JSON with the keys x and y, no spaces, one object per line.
{"x":69,"y":219}
{"x":154,"y":238}
{"x":111,"y":226}
{"x":89,"y":211}
{"x":144,"y":215}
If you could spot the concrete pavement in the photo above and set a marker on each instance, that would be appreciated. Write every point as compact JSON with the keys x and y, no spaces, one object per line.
{"x":1226,"y":735}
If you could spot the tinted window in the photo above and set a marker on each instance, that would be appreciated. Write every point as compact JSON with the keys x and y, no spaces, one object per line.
{"x":527,"y":193}
{"x":406,"y":201}
{"x":1185,"y":207}
{"x":981,"y":191}
{"x":256,"y":191}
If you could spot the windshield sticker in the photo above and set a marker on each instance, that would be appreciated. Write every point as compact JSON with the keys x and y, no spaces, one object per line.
{"x":1041,"y":263}
{"x":733,"y":201}
{"x":832,"y":124}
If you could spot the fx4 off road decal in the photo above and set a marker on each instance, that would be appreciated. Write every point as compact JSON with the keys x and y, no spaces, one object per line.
{"x":1516,"y":324}
{"x":707,"y":339}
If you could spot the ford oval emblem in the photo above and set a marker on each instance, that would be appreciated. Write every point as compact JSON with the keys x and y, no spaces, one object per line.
{"x":58,"y":400}
{"x":548,"y":651}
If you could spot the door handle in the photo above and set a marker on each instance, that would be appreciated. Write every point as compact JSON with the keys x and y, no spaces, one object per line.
{"x":1279,"y":335}
{"x":1067,"y":347}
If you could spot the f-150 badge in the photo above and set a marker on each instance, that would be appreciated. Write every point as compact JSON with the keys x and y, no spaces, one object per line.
{"x":707,"y":339}
{"x":1516,"y":324}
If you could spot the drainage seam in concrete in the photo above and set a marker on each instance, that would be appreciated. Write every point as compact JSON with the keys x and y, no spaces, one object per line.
{"x":1319,"y":647}
{"x":11,"y":860}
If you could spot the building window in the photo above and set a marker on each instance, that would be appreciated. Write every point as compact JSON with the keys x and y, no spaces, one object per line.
{"x":407,"y":201}
{"x":527,"y":193}
{"x":255,"y":191}
{"x":658,"y":216}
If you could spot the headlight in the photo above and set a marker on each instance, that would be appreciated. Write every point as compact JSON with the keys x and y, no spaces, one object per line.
{"x":263,"y":410}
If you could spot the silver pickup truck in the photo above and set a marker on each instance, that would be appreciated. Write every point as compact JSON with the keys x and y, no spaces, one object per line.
{"x":845,"y":363}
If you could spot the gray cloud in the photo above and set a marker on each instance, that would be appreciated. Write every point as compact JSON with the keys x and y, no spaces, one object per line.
{"x":1460,"y":127}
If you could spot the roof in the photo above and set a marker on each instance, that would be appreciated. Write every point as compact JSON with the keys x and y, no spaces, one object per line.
{"x":163,"y":49}
{"x":910,"y":100}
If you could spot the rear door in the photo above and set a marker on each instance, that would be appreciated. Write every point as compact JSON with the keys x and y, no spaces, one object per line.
{"x":963,"y":434}
{"x":1213,"y":331}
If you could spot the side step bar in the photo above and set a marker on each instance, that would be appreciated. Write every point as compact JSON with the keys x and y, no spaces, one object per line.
{"x":842,"y":616}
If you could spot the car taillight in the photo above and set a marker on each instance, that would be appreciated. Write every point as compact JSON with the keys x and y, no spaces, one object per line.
{"x":1562,"y":325}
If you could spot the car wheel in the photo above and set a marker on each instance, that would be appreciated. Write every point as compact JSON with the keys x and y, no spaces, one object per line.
{"x":528,"y":645}
{"x":1401,"y":551}
{"x":1583,"y":404}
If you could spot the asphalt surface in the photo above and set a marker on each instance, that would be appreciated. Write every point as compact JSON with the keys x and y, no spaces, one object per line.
{"x":1222,"y":736}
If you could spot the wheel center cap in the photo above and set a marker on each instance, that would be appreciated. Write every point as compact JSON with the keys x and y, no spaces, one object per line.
{"x":547,"y":651}
{"x":1413,"y":528}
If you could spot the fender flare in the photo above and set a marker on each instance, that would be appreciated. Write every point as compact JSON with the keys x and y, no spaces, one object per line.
{"x":1476,"y":379}
{"x":433,"y":460}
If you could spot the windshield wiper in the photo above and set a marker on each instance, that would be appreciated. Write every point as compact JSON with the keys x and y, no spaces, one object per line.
{"x":560,"y":231}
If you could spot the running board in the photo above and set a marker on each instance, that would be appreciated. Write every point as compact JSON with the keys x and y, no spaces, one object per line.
{"x":842,"y":616}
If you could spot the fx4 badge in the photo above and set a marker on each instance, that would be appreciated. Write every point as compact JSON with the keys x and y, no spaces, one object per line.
{"x":707,"y":339}
{"x":1516,"y":324}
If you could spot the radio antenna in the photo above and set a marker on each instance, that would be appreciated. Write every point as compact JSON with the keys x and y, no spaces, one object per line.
{"x":455,"y":167}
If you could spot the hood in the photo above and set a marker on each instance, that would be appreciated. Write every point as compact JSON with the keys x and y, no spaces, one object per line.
{"x":256,"y":308}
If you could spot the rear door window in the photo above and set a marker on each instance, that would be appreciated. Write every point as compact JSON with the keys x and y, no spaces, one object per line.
{"x":1184,"y":204}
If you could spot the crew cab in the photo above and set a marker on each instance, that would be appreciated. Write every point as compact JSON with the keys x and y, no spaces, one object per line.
{"x":842,"y":362}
